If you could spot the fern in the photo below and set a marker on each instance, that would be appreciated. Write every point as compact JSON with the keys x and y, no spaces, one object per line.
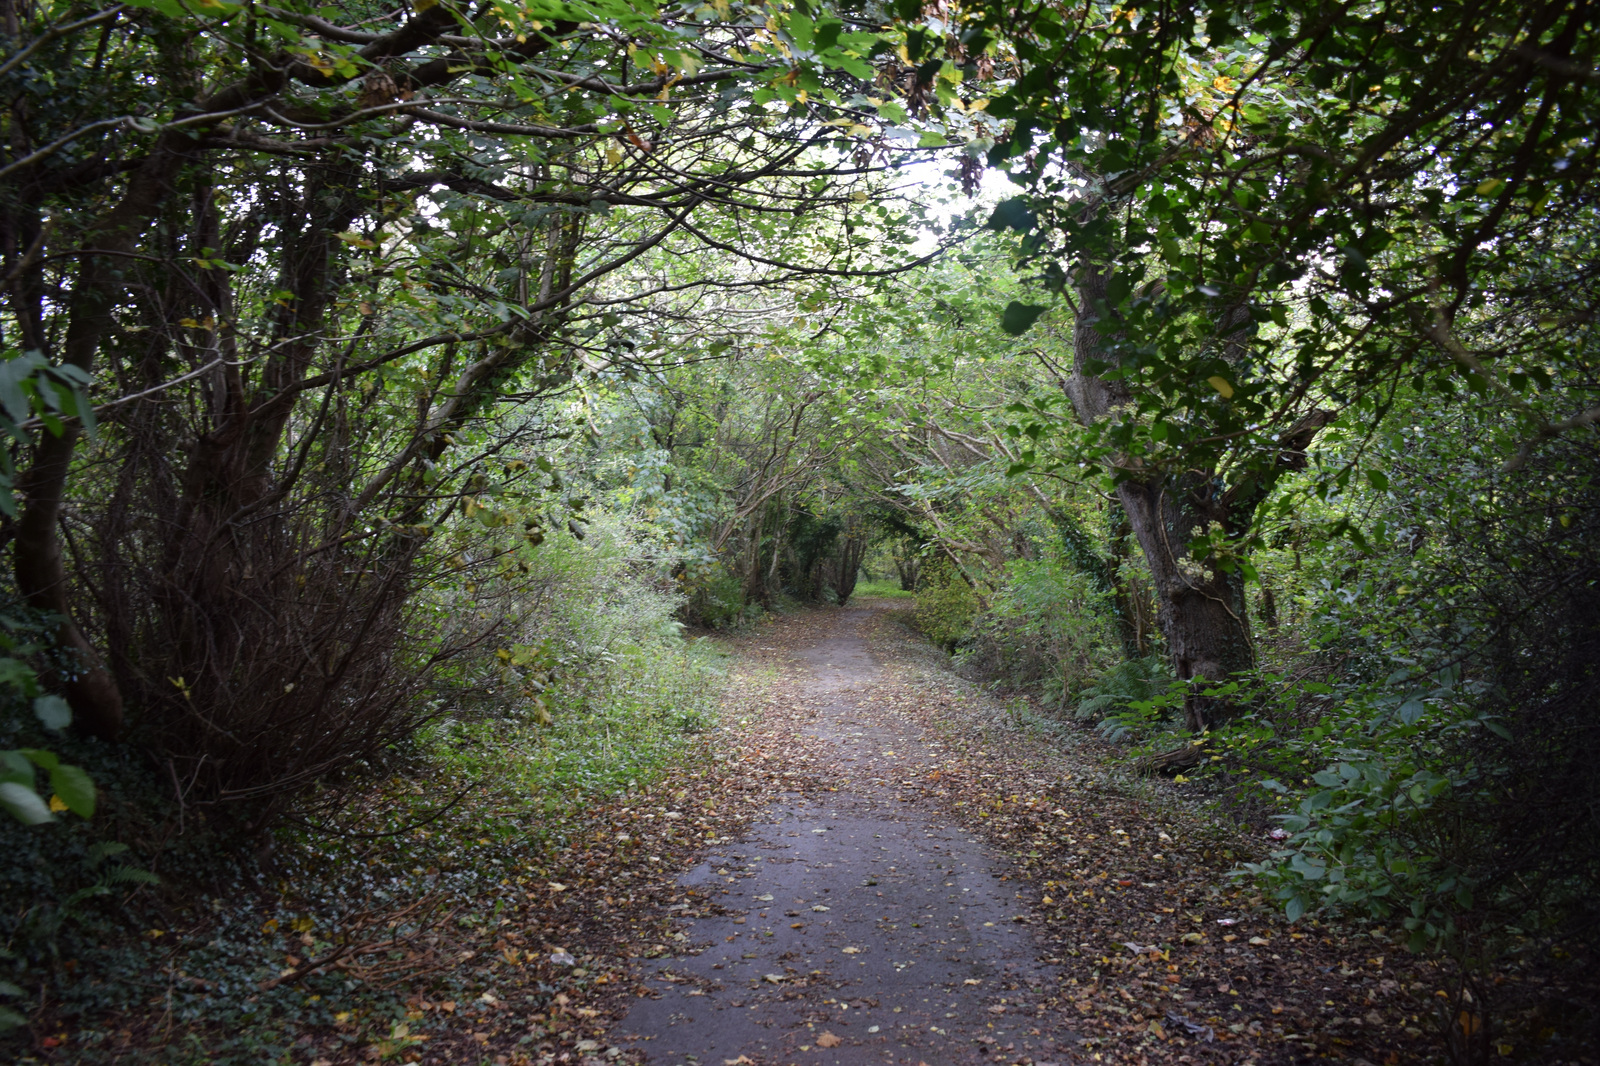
{"x":1130,"y":681}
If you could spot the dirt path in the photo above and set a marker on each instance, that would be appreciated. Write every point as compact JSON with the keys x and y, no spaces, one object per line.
{"x":889,"y":865}
{"x":859,"y":927}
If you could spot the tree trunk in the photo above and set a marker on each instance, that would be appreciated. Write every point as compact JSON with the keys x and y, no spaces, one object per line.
{"x":755,"y":586}
{"x":1128,"y":594}
{"x":1200,"y":607}
{"x":1201,"y":610}
{"x":41,"y":575}
{"x":847,"y":566}
{"x":905,"y":567}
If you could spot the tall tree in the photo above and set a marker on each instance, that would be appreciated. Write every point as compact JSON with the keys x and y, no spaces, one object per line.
{"x":301,"y":256}
{"x":1263,"y":219}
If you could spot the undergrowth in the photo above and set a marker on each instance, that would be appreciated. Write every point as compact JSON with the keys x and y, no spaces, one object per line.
{"x":334,"y":921}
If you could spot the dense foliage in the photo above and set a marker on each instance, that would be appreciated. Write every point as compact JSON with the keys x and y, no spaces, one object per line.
{"x":389,"y":388}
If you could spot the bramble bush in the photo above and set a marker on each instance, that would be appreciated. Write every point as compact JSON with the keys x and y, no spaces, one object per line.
{"x":1045,"y":625}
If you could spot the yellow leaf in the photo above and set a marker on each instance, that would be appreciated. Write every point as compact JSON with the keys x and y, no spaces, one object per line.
{"x":419,"y":6}
{"x":1490,"y":187}
{"x":827,"y":1039}
{"x":57,"y":805}
{"x":1222,"y":385}
{"x":613,"y":156}
{"x":189,"y":323}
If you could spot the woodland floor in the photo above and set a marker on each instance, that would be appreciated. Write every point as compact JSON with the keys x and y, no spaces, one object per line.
{"x":869,"y":860}
{"x":886,"y":866}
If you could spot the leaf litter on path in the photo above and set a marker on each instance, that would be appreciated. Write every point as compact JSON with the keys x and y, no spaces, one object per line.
{"x":1121,"y":886}
{"x":1102,"y":896}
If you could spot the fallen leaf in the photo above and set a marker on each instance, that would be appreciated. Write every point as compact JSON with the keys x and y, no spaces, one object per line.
{"x":827,"y":1039}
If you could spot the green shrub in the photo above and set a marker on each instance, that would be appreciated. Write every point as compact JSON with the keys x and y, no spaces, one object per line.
{"x":713,"y":596}
{"x":1045,"y":623}
{"x":946,"y":606}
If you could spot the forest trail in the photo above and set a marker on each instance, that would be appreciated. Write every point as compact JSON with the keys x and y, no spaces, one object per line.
{"x":900,"y":868}
{"x":856,"y":927}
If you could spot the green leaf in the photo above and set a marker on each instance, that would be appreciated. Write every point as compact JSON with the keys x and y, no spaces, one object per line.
{"x":1012,"y":214}
{"x":75,"y":788}
{"x":53,"y":712}
{"x":44,"y":760}
{"x":1294,"y":908}
{"x":13,"y":371}
{"x":1019,"y":317}
{"x":23,"y":803}
{"x":14,"y":766}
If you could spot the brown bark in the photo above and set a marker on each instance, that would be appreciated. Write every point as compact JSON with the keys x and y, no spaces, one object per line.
{"x":1201,"y":610}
